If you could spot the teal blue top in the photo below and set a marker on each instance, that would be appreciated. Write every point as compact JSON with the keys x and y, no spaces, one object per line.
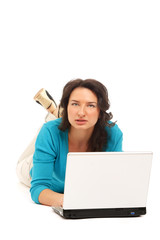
{"x":49,"y":159}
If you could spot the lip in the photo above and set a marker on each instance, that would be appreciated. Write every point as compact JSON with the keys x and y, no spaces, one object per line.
{"x":80,"y":121}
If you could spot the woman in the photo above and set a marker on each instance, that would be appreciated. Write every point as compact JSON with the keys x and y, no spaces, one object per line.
{"x":85,"y":126}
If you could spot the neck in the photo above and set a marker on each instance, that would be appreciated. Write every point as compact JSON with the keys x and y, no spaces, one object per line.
{"x":79,"y":138}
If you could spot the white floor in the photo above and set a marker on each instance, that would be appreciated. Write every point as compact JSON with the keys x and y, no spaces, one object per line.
{"x":22,"y":219}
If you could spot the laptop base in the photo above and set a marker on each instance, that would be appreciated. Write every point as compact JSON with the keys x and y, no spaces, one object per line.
{"x":103,"y":213}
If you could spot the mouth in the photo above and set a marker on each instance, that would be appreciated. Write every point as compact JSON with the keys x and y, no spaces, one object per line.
{"x":80,"y":121}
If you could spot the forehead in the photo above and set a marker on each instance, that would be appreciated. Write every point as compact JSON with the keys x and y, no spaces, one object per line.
{"x":81,"y":93}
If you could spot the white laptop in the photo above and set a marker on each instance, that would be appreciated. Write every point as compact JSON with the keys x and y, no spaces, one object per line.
{"x":106,"y":184}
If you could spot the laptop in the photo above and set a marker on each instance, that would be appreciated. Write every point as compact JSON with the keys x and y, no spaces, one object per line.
{"x":106,"y":184}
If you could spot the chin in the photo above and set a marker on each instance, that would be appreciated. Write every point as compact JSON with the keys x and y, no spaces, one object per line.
{"x":82,"y":127}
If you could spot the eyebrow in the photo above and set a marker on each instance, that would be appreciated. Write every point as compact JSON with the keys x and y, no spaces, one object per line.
{"x":87,"y":102}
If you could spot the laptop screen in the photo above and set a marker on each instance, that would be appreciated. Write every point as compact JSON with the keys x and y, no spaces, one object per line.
{"x":107,"y":180}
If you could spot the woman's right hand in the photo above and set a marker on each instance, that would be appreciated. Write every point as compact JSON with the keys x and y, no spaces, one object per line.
{"x":50,"y":198}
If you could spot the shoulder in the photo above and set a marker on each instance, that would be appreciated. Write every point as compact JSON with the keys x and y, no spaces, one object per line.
{"x":50,"y":129}
{"x":112,"y":131}
{"x":114,"y":138}
{"x":53,"y":123}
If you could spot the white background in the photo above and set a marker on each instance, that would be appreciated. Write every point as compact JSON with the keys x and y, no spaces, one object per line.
{"x":47,"y":43}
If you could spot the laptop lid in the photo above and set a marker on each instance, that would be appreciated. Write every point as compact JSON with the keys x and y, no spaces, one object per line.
{"x":99,"y":180}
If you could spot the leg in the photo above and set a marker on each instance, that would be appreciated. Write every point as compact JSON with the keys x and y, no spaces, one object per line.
{"x":46,"y":100}
{"x":25,"y":164}
{"x":25,"y":161}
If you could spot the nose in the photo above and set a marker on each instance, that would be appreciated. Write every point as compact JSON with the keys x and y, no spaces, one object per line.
{"x":81,"y":111}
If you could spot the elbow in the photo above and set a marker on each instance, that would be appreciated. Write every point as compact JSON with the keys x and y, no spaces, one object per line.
{"x":34,"y":196}
{"x":35,"y":192}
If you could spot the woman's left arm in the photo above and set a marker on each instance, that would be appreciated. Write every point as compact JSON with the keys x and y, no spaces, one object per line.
{"x":118,"y":142}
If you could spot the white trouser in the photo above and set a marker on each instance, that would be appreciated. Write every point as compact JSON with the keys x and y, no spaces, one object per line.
{"x":25,"y":161}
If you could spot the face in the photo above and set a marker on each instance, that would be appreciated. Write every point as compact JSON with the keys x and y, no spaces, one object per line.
{"x":83,"y":110}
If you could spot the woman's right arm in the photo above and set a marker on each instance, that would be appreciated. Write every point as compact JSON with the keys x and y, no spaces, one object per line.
{"x":43,"y":167}
{"x":51,"y":198}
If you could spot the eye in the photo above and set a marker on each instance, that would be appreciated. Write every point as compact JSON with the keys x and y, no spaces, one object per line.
{"x":91,"y":106}
{"x":74,"y":104}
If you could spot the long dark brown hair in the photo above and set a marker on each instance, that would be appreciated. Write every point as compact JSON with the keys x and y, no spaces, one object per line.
{"x":98,"y":139}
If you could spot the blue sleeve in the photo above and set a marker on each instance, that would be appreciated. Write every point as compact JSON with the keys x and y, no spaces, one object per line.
{"x":118,"y":143}
{"x":43,"y":163}
{"x":115,"y":139}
